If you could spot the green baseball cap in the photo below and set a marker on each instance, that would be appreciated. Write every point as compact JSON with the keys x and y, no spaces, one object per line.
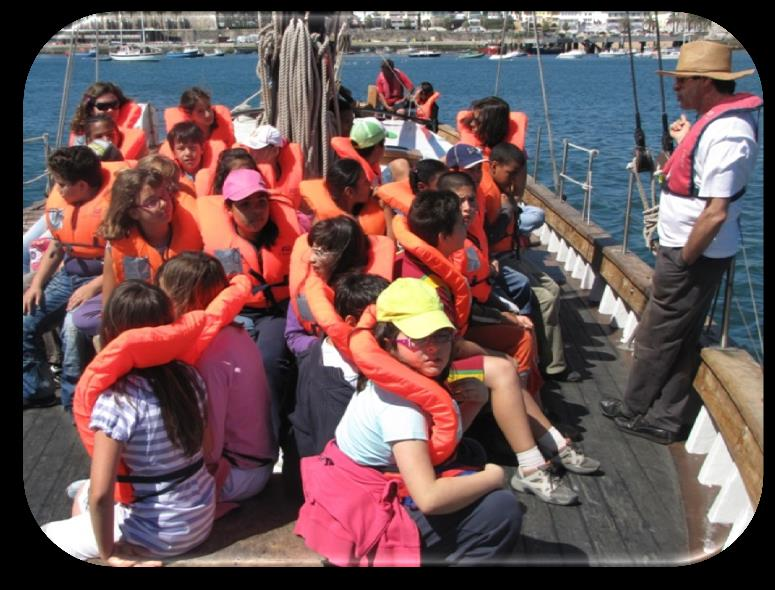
{"x":368,"y":131}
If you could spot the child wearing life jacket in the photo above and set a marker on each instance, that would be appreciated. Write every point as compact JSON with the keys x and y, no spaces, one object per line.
{"x":214,"y":120}
{"x":435,"y":217}
{"x":508,"y":170}
{"x":186,"y":146}
{"x":424,"y":100}
{"x":153,"y":420}
{"x":327,"y":380}
{"x":106,"y":98}
{"x":145,"y":225}
{"x":279,"y":161}
{"x":402,"y":511}
{"x":252,"y":232}
{"x":228,"y":160}
{"x":74,"y":209}
{"x":241,"y":447}
{"x":335,"y":247}
{"x":344,"y":191}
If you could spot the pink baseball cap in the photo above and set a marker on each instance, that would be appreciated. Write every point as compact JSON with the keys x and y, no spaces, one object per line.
{"x":242,"y":183}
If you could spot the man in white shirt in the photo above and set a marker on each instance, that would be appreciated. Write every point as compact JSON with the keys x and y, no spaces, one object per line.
{"x":699,"y":235}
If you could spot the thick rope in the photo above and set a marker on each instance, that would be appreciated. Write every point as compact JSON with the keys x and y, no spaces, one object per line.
{"x":299,"y":73}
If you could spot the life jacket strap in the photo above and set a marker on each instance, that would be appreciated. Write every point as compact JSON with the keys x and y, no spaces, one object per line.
{"x":176,"y":477}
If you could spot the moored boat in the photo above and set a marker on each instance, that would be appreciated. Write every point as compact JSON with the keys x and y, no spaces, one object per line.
{"x":572,"y":54}
{"x":424,"y":53}
{"x":508,"y":55}
{"x":137,"y":53}
{"x":187,"y":52}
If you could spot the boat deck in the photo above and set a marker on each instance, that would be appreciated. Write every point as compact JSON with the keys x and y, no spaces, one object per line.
{"x":632,"y":512}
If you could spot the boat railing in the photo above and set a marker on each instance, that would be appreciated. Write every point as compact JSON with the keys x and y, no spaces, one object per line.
{"x":586,"y":185}
{"x":729,"y":428}
{"x":46,"y":150}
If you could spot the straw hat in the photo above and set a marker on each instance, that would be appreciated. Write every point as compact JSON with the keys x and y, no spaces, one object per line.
{"x":708,"y":59}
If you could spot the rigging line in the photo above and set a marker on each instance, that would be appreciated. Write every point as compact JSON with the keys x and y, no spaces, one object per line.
{"x":748,"y":329}
{"x":643,"y":161}
{"x":66,"y":90}
{"x":555,"y":176}
{"x":753,"y":299}
{"x":502,"y":48}
{"x":667,"y":141}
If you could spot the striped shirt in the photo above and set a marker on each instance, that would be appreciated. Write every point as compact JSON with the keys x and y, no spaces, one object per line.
{"x":179,"y":519}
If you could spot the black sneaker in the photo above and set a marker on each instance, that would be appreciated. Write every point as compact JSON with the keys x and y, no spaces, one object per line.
{"x":39,"y":402}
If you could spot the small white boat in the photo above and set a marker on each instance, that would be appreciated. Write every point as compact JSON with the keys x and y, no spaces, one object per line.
{"x":670,"y":53}
{"x":424,"y":53}
{"x":612,"y":53}
{"x":509,"y":55}
{"x":136,"y":53}
{"x":215,"y":53}
{"x":645,"y":54}
{"x":572,"y":54}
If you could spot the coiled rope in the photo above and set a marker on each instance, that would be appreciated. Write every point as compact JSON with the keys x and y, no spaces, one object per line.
{"x":299,"y":74}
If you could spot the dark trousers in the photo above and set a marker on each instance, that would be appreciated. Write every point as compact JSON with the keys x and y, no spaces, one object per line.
{"x":666,"y":342}
{"x":483,"y":533}
{"x":267,"y":328}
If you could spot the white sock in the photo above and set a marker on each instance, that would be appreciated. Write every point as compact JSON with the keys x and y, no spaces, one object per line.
{"x":530,"y":459}
{"x":552,"y":441}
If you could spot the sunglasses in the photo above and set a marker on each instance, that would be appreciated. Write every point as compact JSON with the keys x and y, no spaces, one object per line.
{"x":437,"y":339}
{"x":106,"y":106}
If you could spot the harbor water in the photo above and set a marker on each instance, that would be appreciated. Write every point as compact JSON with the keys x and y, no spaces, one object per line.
{"x":590,"y":103}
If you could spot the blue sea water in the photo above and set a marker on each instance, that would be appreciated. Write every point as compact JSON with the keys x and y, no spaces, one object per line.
{"x":590,"y":103}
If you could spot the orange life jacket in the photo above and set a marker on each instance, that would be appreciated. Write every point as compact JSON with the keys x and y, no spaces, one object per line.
{"x":75,"y":226}
{"x":223,"y":132}
{"x":313,"y":300}
{"x":397,"y":194}
{"x":291,"y":160}
{"x":210,"y":152}
{"x":440,"y":266}
{"x":183,"y":340}
{"x":515,"y":134}
{"x":343,"y":147}
{"x":321,"y":203}
{"x":392,"y":375}
{"x":473,"y":264}
{"x":489,"y":193}
{"x":271,"y":267}
{"x":134,"y":258}
{"x":425,"y":110}
{"x":133,"y":144}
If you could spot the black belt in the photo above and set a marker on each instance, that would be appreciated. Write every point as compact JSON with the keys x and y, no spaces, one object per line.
{"x":176,"y":477}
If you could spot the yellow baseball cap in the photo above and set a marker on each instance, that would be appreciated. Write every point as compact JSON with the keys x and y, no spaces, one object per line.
{"x":413,"y":307}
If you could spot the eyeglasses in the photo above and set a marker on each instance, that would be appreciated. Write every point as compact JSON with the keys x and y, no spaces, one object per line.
{"x":106,"y":106}
{"x":321,"y":252}
{"x":437,"y":339}
{"x":153,"y":203}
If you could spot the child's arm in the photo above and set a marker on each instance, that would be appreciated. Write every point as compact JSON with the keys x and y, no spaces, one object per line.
{"x":108,"y":277}
{"x":446,"y":494}
{"x":104,"y":466}
{"x":48,"y":266}
{"x":85,"y":292}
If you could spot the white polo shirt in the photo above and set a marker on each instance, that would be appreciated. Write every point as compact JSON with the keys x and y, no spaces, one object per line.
{"x":724,"y":161}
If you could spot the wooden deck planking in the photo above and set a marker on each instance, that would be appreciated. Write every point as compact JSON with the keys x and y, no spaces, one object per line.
{"x":648,"y":515}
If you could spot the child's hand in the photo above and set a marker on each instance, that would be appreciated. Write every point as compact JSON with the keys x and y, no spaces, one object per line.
{"x":469,"y":390}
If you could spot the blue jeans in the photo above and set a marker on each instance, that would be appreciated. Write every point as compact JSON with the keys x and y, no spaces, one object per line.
{"x":55,"y":298}
{"x":267,"y":329}
{"x":516,"y":287}
{"x":530,"y":219}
